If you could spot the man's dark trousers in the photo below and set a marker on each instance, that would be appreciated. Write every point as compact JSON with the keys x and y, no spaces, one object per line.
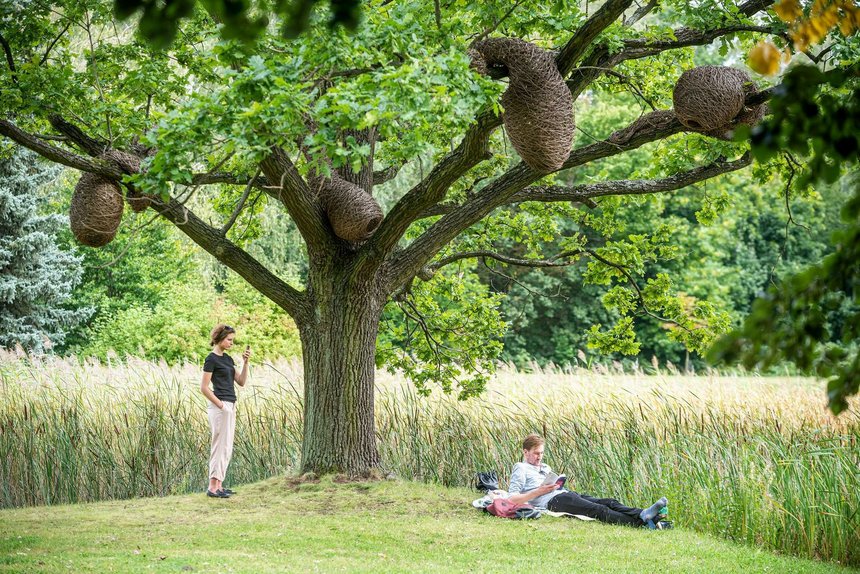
{"x":603,"y":509}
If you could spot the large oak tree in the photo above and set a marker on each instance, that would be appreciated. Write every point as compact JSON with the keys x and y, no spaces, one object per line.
{"x":253,"y":122}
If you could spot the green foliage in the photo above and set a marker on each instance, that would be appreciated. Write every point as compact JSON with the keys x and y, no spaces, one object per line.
{"x":811,"y":116}
{"x":794,"y":321}
{"x":177,"y":328}
{"x":37,"y":276}
{"x":443,"y":333}
{"x":812,"y":319}
{"x":243,"y":20}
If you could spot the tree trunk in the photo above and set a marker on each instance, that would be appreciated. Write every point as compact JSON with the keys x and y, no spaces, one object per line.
{"x":338,"y":348}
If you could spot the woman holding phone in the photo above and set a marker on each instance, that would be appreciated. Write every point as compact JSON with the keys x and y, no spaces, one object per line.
{"x":220,"y":371}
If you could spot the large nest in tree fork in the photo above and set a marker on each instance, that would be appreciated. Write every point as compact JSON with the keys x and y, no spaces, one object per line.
{"x":130,"y":164}
{"x":709,"y":97}
{"x":749,"y":115}
{"x":353,"y":213}
{"x":538,"y":105}
{"x":96,"y":210}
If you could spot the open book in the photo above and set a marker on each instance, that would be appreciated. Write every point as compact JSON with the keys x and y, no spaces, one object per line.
{"x":558,"y":479}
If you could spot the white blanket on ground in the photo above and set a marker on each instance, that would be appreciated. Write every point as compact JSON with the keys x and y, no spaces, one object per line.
{"x":485,"y":501}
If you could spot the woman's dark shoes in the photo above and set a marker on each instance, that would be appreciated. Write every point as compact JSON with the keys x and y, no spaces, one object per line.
{"x":228,"y":491}
{"x":217,"y":494}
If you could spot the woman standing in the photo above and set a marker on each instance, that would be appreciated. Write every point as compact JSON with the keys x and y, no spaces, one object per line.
{"x":220,"y":370}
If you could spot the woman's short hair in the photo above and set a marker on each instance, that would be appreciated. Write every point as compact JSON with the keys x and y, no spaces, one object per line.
{"x":219,"y":333}
{"x":532,"y":441}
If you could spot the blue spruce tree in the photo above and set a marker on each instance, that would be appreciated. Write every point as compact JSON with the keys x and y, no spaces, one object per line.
{"x":36,"y":276}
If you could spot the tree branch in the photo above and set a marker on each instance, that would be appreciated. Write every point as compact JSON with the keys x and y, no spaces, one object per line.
{"x":407,"y":262}
{"x":9,"y":59}
{"x":59,"y":155}
{"x":582,"y":38}
{"x":387,"y":174}
{"x":583,"y":193}
{"x":301,"y":203}
{"x":601,"y":59}
{"x":431,"y":190}
{"x":239,"y":206}
{"x":475,"y":146}
{"x":54,"y":43}
{"x":641,"y":12}
{"x":483,"y":254}
{"x":497,"y":23}
{"x":229,"y":178}
{"x":282,"y":294}
{"x":91,"y":145}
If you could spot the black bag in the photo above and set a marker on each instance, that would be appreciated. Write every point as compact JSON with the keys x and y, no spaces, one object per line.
{"x":485,"y":481}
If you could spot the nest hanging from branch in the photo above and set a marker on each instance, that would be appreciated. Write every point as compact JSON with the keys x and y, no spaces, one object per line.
{"x":352,"y":212}
{"x":538,"y":105}
{"x":709,"y":97}
{"x":96,"y":210}
{"x":748,"y":115}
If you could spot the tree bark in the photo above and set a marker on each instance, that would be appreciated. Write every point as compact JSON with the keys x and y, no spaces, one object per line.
{"x":338,"y":348}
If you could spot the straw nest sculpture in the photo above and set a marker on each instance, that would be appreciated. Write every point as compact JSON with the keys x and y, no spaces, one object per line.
{"x":710,"y":100}
{"x":538,"y":105}
{"x":352,"y":212}
{"x":96,"y":210}
{"x":709,"y":97}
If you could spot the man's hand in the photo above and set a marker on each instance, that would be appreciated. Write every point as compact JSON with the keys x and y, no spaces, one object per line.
{"x":544,"y":489}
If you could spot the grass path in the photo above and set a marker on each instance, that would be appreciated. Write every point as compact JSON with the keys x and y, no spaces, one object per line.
{"x":280,"y":525}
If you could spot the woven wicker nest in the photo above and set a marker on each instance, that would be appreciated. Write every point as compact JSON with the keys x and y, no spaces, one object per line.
{"x":130,"y":164}
{"x":709,"y":97}
{"x":353,"y":213}
{"x":96,"y":210}
{"x":749,"y":115}
{"x":538,"y":105}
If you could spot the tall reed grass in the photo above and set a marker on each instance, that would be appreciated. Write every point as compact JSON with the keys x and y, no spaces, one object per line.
{"x":750,"y":459}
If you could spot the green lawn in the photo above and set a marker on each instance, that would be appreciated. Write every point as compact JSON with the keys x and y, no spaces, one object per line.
{"x":280,"y":525}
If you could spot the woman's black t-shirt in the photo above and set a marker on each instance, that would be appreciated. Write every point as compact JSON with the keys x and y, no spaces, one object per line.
{"x":223,"y":374}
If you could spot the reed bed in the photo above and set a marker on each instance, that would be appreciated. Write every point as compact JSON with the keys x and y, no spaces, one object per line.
{"x":752,"y":459}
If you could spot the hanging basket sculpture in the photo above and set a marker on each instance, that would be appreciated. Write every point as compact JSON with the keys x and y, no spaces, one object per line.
{"x":709,"y":97}
{"x":96,"y":209}
{"x":538,"y":105}
{"x":710,"y":100}
{"x":352,"y":212}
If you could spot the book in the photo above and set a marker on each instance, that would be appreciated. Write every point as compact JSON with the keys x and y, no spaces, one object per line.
{"x":558,"y":479}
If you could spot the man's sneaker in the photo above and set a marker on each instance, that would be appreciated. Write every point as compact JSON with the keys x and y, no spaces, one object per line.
{"x":228,"y":491}
{"x":661,"y":525}
{"x":217,"y":494}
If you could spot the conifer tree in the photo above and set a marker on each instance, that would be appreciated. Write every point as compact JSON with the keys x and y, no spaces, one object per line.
{"x":36,"y":276}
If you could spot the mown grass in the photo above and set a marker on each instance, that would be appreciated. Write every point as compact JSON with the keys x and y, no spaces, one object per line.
{"x":281,"y":525}
{"x":748,"y":459}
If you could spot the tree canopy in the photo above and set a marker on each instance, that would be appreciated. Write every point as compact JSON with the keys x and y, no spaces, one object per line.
{"x":224,"y":128}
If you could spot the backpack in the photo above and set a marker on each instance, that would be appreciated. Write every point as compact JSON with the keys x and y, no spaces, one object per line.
{"x":485,"y":481}
{"x":504,"y":508}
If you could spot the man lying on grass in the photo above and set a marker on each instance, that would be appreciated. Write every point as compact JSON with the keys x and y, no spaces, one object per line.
{"x":527,"y":485}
